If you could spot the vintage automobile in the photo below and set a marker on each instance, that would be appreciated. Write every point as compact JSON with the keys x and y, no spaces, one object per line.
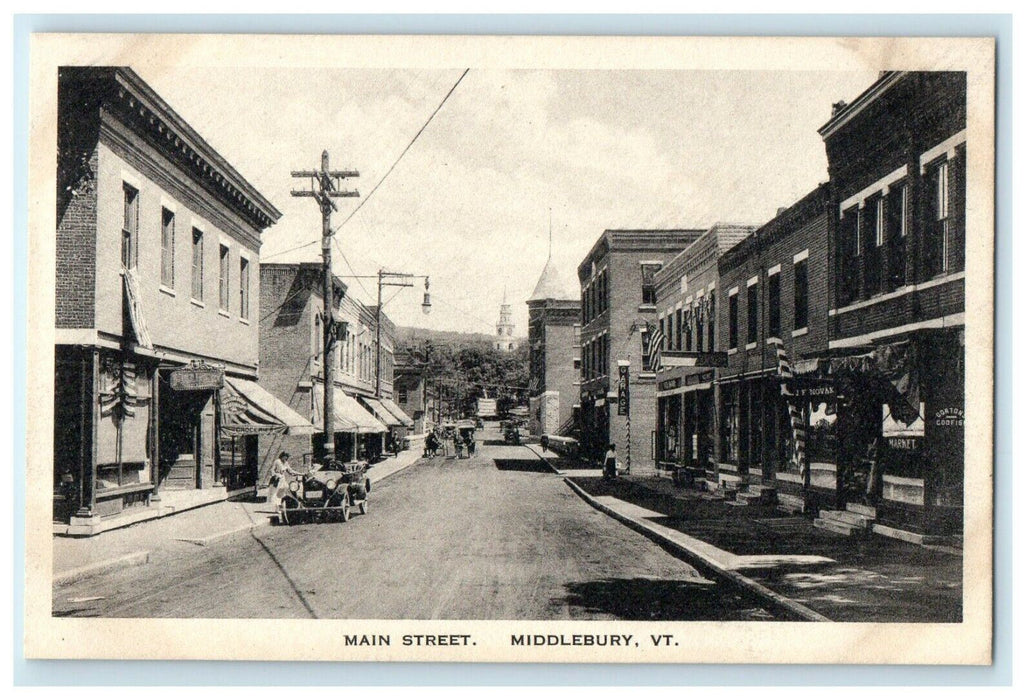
{"x":468,"y":445}
{"x":328,"y":491}
{"x":511,"y":433}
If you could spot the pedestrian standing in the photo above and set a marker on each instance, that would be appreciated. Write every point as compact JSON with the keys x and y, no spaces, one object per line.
{"x":278,"y":476}
{"x":610,"y":462}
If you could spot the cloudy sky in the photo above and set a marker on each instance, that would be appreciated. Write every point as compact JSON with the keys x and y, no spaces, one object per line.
{"x":469,"y":203}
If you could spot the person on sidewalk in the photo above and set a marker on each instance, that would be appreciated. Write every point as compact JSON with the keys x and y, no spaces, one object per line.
{"x":278,"y":475}
{"x":610,"y":462}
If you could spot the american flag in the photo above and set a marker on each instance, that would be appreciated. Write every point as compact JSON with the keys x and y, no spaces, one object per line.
{"x":799,"y":430}
{"x":654,"y":345}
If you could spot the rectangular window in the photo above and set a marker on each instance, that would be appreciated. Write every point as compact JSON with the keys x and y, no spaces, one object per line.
{"x":733,"y":321}
{"x":670,"y":332}
{"x":895,"y":229}
{"x":224,"y":278}
{"x":800,"y":294}
{"x":943,"y":214}
{"x":197,"y":266}
{"x":168,"y":248}
{"x":880,"y":221}
{"x":751,"y":314}
{"x":649,"y":270}
{"x":644,"y":335}
{"x":775,"y":305}
{"x":711,"y":313}
{"x":848,"y":251}
{"x":684,"y":329}
{"x":606,"y":354}
{"x":858,"y":233}
{"x":130,"y":221}
{"x":245,"y":288}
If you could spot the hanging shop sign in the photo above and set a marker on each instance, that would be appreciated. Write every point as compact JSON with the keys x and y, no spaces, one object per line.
{"x":623,"y":392}
{"x":197,"y":377}
{"x":687,"y":358}
{"x":813,"y":388}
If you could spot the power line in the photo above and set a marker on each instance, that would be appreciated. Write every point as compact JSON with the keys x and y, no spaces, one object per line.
{"x":351,"y":269}
{"x":404,"y":151}
{"x":291,"y":250}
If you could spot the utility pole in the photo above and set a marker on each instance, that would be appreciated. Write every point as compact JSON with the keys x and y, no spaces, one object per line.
{"x":324,"y":187}
{"x":395,"y":279}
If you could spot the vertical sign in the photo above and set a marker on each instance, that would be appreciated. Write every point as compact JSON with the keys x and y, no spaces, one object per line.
{"x":623,"y":398}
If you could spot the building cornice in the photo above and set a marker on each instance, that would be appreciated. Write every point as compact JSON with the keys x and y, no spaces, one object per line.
{"x":141,"y":108}
{"x":847,"y":113}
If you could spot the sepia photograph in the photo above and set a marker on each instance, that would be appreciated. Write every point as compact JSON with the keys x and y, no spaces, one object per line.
{"x":511,"y":348}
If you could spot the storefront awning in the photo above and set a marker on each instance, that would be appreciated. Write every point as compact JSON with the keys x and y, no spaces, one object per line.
{"x":398,"y":413}
{"x":383,"y":415}
{"x":248,"y":409}
{"x":349,"y":415}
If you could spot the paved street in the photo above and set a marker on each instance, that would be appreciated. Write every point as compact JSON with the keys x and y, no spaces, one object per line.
{"x":498,"y":536}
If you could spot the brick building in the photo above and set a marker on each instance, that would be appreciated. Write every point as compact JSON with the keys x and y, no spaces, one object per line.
{"x":157,"y":347}
{"x":896,"y":324}
{"x":410,"y":390}
{"x":293,"y":359}
{"x":618,"y":301}
{"x":772,"y":289}
{"x":687,"y":303}
{"x":554,"y":314}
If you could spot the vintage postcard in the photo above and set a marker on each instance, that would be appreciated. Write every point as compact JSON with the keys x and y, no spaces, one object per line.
{"x":523,"y":349}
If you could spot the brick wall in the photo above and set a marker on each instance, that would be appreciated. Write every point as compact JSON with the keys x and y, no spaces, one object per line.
{"x":803,"y":227}
{"x":76,"y":245}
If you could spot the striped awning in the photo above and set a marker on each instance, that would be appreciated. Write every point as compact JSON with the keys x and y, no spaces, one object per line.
{"x":248,"y":409}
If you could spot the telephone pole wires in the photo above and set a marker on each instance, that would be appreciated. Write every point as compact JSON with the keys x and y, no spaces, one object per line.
{"x":325,"y":186}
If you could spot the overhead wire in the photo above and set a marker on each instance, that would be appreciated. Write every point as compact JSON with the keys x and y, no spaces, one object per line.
{"x":404,"y":151}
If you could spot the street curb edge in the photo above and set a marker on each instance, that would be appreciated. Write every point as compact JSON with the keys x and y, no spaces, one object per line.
{"x":132,"y":559}
{"x":700,"y":561}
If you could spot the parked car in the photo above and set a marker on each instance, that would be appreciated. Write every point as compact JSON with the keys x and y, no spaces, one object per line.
{"x":328,"y":491}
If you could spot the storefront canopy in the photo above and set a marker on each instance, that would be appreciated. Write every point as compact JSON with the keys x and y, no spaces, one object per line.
{"x":248,"y":409}
{"x":380,"y":411}
{"x":350,"y":416}
{"x":398,"y":412}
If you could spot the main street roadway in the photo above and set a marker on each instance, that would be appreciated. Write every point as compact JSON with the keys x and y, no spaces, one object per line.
{"x":497,"y":536}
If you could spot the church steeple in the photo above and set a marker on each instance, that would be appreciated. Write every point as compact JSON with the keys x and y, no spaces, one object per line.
{"x":504,"y":328}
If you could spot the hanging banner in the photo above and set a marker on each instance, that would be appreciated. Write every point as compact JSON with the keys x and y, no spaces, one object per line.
{"x":623,"y":391}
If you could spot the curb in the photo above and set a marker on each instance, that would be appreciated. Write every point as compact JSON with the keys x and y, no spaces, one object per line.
{"x":543,"y":458}
{"x":700,"y":561}
{"x":207,"y":539}
{"x":132,"y":559}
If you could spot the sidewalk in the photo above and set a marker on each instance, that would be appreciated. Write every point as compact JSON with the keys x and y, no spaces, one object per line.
{"x":153,"y":540}
{"x":874,"y":579}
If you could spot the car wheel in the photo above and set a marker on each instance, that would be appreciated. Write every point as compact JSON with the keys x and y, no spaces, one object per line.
{"x":364,"y":506}
{"x":345,"y":512}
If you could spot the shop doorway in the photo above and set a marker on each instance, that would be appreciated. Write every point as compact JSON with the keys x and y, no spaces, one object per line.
{"x":179,"y":437}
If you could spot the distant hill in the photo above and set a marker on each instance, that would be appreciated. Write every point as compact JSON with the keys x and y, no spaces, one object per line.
{"x":408,"y":335}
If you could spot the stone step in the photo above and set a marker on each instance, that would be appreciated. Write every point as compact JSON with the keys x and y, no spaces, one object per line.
{"x":847,"y":517}
{"x":788,"y":503}
{"x":861,"y":509}
{"x":838,"y":527}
